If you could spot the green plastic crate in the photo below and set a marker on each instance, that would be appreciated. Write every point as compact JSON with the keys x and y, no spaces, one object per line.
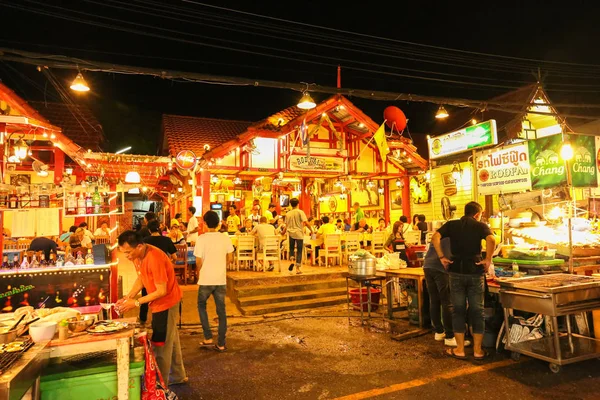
{"x":96,"y":382}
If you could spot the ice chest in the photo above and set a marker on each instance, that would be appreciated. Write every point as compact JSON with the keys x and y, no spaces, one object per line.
{"x":95,"y":382}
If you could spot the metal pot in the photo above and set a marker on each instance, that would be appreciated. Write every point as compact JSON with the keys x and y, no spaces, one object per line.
{"x":362,"y":266}
{"x":8,"y":337}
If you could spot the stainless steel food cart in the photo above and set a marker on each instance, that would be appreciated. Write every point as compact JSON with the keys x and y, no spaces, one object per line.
{"x":554,"y":296}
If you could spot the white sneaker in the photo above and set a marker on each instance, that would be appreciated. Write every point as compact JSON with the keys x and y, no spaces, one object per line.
{"x":452,"y":342}
{"x":440,"y":336}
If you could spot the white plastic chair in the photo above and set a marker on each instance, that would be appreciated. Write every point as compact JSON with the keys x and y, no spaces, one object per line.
{"x":412,"y":237}
{"x":352,"y":243}
{"x":377,"y":243}
{"x":332,"y":248}
{"x":270,"y":252}
{"x":245,"y":250}
{"x":428,"y":237}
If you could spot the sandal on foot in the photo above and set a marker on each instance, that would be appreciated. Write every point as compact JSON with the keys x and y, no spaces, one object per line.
{"x":181,"y":382}
{"x":204,"y":343}
{"x":451,"y":353}
{"x":220,"y":350}
{"x":483,"y":357}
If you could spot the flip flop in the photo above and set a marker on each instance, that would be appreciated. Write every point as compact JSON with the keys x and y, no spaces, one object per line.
{"x":206,"y":344}
{"x":451,"y":353}
{"x":223,"y":350}
{"x":181,"y":382}
{"x":485,"y":355}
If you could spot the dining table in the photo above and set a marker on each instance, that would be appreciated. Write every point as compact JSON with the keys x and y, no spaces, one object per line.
{"x":315,"y":241}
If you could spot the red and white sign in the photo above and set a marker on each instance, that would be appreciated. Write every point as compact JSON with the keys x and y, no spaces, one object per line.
{"x":186,"y":159}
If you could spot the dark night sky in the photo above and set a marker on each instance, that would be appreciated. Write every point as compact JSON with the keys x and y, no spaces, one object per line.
{"x":129,"y":107}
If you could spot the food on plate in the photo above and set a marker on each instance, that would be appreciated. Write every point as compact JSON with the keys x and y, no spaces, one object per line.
{"x":106,"y":327}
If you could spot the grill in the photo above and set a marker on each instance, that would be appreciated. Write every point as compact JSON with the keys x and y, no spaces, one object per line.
{"x":8,"y":359}
{"x":555,"y":296}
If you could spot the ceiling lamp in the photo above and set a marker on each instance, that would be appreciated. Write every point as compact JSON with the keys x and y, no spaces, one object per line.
{"x":133,"y":177}
{"x":237,"y":181}
{"x":306,"y":102}
{"x":338,"y":183}
{"x":21,"y":149}
{"x":79,"y":84}
{"x":214,"y":179}
{"x":399,"y":183}
{"x":134,"y":191}
{"x":380,"y":190}
{"x":442,"y":113}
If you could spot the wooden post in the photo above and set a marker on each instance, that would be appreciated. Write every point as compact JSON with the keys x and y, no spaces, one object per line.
{"x":59,"y":165}
{"x":386,"y":200}
{"x":406,"y":200}
{"x":203,"y":189}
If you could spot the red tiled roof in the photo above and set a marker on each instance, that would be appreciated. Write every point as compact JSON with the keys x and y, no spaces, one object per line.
{"x":277,"y":120}
{"x":192,"y":133}
{"x":76,"y":121}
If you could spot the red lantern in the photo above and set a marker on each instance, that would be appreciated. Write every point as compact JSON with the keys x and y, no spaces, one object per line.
{"x":394,"y":116}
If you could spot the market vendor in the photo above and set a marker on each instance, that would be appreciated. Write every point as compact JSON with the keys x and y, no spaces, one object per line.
{"x":156,"y":274}
{"x":395,"y":242}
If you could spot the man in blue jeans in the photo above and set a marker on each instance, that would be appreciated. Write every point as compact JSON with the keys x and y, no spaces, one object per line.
{"x":213,"y":252}
{"x":467,"y":271}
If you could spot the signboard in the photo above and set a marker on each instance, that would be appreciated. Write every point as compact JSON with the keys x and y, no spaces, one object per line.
{"x":583,"y":165}
{"x":186,"y":159}
{"x":504,"y":170}
{"x":472,"y":137}
{"x":315,"y":163}
{"x":547,"y":167}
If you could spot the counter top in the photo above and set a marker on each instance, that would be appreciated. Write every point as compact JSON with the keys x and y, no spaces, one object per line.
{"x":52,"y":270}
{"x":24,"y":372}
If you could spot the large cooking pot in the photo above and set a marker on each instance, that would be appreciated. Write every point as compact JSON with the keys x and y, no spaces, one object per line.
{"x":364,"y":265}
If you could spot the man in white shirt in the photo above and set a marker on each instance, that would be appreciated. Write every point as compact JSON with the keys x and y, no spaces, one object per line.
{"x":295,"y":221}
{"x":192,"y":228}
{"x":255,"y":216}
{"x":261,"y":231}
{"x":213,"y":252}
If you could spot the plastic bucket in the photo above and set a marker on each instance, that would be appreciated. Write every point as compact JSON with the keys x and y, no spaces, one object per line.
{"x":355,"y":297}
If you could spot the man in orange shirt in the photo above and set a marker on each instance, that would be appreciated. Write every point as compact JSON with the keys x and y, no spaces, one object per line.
{"x":156,"y":274}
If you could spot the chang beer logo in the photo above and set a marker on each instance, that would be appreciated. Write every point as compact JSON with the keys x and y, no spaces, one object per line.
{"x":548,"y":163}
{"x":583,"y":162}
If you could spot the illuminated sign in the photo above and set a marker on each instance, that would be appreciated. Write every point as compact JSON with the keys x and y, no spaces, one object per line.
{"x":505,"y":170}
{"x":312,"y":163}
{"x":186,"y":159}
{"x":472,"y":137}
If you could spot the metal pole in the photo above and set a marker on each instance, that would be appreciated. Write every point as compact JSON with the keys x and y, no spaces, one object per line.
{"x":474,"y":178}
{"x":570,"y":223}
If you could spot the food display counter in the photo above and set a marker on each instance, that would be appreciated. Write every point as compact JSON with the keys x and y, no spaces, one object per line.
{"x":73,"y":286}
{"x":25,"y":373}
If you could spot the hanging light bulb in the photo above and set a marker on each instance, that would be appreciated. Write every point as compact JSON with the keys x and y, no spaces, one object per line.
{"x":380,"y":190}
{"x":133,"y":177}
{"x":144,"y":189}
{"x":172,"y":194}
{"x":214,"y":179}
{"x":190,"y":181}
{"x":399,"y":183}
{"x":473,"y":121}
{"x":21,"y":149}
{"x":180,"y":189}
{"x":79,"y":84}
{"x":338,"y":183}
{"x":370,"y":184}
{"x":441,"y":113}
{"x":237,"y":181}
{"x":306,"y":102}
{"x":566,"y":151}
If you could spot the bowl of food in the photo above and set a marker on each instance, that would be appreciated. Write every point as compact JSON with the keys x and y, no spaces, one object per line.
{"x":40,"y":331}
{"x":80,"y":324}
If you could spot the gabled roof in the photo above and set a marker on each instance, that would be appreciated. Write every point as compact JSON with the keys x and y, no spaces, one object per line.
{"x":507,"y":122}
{"x":77,"y":122}
{"x":192,"y":133}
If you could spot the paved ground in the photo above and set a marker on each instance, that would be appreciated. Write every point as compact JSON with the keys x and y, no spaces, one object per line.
{"x":319,"y":355}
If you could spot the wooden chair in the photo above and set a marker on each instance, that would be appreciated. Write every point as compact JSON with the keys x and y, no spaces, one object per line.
{"x":245,"y":250}
{"x":10,"y":245}
{"x":428,"y":237}
{"x":102,"y":239}
{"x":352,"y":243}
{"x":23,"y":244}
{"x":412,"y":237}
{"x":270,"y":252}
{"x":377,"y":243}
{"x":332,"y":247}
{"x":180,"y":264}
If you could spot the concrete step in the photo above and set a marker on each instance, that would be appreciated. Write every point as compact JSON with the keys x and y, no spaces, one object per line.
{"x":272,"y":299}
{"x":294,"y":305}
{"x":259,"y":290}
{"x":267,"y":279}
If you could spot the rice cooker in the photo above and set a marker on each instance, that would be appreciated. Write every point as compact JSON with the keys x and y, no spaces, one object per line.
{"x":362,"y":265}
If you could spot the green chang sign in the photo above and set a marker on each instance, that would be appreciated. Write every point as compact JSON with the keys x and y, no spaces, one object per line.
{"x":472,"y":137}
{"x":583,"y":165}
{"x":547,"y":167}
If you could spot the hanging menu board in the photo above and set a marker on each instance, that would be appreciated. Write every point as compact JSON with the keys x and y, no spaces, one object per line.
{"x":23,"y":223}
{"x":47,"y":222}
{"x":35,"y":222}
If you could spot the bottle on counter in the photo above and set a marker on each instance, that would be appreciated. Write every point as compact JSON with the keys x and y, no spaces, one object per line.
{"x":81,"y":204}
{"x":34,"y":262}
{"x":35,"y":197}
{"x":89,"y":205}
{"x":60,"y":261}
{"x":25,"y":200}
{"x":5,"y":264}
{"x":25,"y":263}
{"x":89,"y":258}
{"x":79,"y":260}
{"x":15,"y":262}
{"x":515,"y":267}
{"x":71,"y":204}
{"x":97,"y":202}
{"x":52,"y":261}
{"x":4,"y":199}
{"x":43,"y":262}
{"x":13,"y":201}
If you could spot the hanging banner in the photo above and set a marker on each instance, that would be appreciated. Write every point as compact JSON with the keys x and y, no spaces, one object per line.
{"x":472,"y":137}
{"x":504,"y":170}
{"x":583,"y":165}
{"x":598,"y":160}
{"x":547,"y":168}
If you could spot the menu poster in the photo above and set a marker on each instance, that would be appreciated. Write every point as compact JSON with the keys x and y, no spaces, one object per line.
{"x":23,"y":223}
{"x":47,"y":222}
{"x":547,"y":167}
